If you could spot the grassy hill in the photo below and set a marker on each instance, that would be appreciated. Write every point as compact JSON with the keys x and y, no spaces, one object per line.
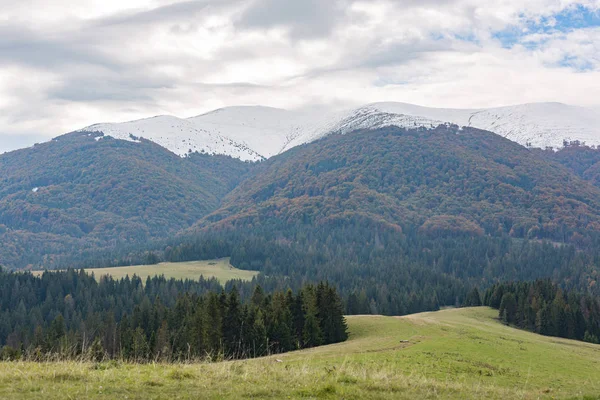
{"x":455,"y":353}
{"x":220,"y":269}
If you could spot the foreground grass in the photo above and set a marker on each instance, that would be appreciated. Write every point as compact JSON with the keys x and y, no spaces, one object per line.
{"x":220,"y":269}
{"x":461,"y":353}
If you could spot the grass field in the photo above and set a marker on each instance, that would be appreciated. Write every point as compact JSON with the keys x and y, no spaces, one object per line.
{"x":220,"y":269}
{"x":456,"y":353}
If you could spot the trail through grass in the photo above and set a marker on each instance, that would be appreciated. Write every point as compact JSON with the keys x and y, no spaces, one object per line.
{"x":458,"y":353}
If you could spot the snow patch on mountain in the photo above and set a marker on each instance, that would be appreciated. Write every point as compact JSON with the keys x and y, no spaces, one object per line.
{"x":541,"y":124}
{"x":180,"y":136}
{"x":536,"y":124}
{"x":367,"y":117}
{"x":254,"y":132}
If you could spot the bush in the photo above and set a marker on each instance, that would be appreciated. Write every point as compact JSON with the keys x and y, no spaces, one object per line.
{"x":9,"y":354}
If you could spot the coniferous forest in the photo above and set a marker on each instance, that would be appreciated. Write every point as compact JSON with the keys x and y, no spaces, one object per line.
{"x":400,"y":221}
{"x":545,"y":308}
{"x":69,"y":315}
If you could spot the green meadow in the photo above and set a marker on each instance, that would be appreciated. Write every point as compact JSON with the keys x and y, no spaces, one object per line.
{"x":220,"y":269}
{"x":454,"y":353}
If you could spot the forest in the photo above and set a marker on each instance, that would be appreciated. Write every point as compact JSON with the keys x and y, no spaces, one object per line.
{"x":398,"y":221}
{"x":545,"y":308}
{"x":382,"y":271}
{"x":69,"y":315}
{"x":74,"y":195}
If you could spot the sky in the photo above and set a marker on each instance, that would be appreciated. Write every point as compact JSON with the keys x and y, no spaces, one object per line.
{"x":65,"y":65}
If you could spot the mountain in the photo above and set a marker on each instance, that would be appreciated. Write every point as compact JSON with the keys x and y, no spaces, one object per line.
{"x":537,"y":124}
{"x":255,"y":133}
{"x":180,"y":136}
{"x":77,"y":195}
{"x":447,"y":180}
{"x":119,"y":185}
{"x":582,"y":160}
{"x":406,"y":219}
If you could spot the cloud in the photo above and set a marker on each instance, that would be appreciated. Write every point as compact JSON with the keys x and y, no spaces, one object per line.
{"x":65,"y":65}
{"x":19,"y":45}
{"x":304,"y":19}
{"x":13,"y":142}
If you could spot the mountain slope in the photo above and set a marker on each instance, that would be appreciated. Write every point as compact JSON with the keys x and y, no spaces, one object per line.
{"x":466,"y":180}
{"x":180,"y":136}
{"x":254,"y":133}
{"x":584,"y":161}
{"x":537,"y":125}
{"x":76,"y":194}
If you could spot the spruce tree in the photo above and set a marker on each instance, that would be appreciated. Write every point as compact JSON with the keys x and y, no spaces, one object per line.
{"x":508,"y":308}
{"x":232,"y":325}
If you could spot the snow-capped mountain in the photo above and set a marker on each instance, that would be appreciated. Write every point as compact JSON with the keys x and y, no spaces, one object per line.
{"x":181,"y":136}
{"x":537,"y":124}
{"x":255,"y":132}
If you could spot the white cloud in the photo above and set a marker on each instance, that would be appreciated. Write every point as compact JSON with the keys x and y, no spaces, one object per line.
{"x":64,"y":65}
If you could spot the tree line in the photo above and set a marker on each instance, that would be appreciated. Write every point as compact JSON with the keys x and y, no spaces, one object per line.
{"x":546,"y":308}
{"x":70,"y":315}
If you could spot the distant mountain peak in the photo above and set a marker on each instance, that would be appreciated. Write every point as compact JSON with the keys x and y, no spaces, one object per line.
{"x":253,"y":133}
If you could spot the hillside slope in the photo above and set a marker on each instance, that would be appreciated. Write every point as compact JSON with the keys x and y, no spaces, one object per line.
{"x":76,"y":194}
{"x":457,"y":353}
{"x":445,"y":180}
{"x":180,"y":136}
{"x":583,"y":160}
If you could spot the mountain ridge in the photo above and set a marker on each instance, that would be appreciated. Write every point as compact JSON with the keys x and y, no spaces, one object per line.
{"x":255,"y":133}
{"x":412,"y":177}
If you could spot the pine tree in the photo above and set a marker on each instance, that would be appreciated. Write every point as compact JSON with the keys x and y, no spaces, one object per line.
{"x":353,"y":305}
{"x":258,"y":297}
{"x":508,"y":308}
{"x":312,"y":335}
{"x":542,"y":320}
{"x":162,"y":347}
{"x":473,"y":298}
{"x":281,"y":326}
{"x":214,"y":325}
{"x":232,"y":325}
{"x":259,"y":341}
{"x":298,"y":317}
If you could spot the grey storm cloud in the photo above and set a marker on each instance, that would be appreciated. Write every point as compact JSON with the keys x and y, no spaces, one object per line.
{"x":395,"y":53}
{"x":93,"y":89}
{"x":176,"y":11}
{"x":306,"y":18}
{"x":18,"y":45}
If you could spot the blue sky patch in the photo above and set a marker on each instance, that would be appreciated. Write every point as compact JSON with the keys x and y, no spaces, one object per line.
{"x":570,"y":19}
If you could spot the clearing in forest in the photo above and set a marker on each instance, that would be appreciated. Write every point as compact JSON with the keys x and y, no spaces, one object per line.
{"x":219,"y":268}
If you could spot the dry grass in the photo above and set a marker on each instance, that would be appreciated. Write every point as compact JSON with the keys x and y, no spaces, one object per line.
{"x":458,"y":354}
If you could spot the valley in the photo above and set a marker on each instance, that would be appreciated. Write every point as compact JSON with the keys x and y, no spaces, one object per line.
{"x":454,"y":353}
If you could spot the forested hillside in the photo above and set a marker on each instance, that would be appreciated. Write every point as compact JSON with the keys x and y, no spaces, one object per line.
{"x":400,"y":221}
{"x":583,"y":160}
{"x":74,"y":196}
{"x":446,"y":181}
{"x":406,"y":221}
